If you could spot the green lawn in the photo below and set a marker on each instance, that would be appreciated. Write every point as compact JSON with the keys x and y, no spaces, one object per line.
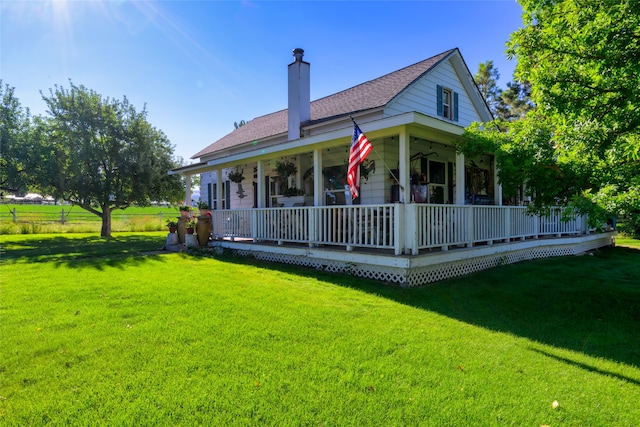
{"x":108,"y":332}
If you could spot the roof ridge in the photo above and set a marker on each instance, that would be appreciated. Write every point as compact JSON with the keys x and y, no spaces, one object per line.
{"x":443,"y":54}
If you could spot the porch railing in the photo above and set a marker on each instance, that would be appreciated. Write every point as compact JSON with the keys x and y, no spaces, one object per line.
{"x":401,"y":228}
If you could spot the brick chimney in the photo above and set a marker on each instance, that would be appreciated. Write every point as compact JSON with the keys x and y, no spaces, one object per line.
{"x":299,"y":94}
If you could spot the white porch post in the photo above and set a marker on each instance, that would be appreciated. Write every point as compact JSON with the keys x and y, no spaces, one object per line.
{"x":405,"y":163}
{"x":399,"y":231}
{"x":187,"y":196}
{"x":218,"y":188}
{"x":460,"y":184}
{"x":410,"y":229}
{"x":497,"y":188}
{"x":261,"y":189}
{"x":318,"y":181}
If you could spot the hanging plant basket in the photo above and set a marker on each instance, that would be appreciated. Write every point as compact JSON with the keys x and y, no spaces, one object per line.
{"x":286,"y":169}
{"x":236,"y":176}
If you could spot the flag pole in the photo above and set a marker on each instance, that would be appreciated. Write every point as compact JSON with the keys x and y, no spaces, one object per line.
{"x":395,"y":178}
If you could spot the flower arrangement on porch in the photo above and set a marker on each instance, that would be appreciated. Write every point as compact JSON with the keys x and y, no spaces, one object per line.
{"x":185,"y":210}
{"x":284,"y":170}
{"x":172,"y":225}
{"x":204,"y":208}
{"x":236,"y":176}
{"x":293,"y":191}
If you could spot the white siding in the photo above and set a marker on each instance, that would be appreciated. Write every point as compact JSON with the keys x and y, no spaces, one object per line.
{"x":377,"y":189}
{"x":207,"y":178}
{"x":247,"y":187}
{"x":421,"y":96}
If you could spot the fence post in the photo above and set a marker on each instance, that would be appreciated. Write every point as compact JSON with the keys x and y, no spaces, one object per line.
{"x":254,"y":225}
{"x":62,"y":218}
{"x":312,"y":231}
{"x":15,"y":215}
{"x":398,"y":228}
{"x":470,"y":226}
{"x":507,"y":224}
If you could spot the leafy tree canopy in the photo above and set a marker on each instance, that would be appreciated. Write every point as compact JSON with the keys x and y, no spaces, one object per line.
{"x":583,"y":62}
{"x":582,"y":141}
{"x":100,"y":154}
{"x":14,"y":125}
{"x":515,"y":101}
{"x":487,"y":81}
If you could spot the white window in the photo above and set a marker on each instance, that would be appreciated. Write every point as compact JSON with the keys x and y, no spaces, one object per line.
{"x":447,"y":103}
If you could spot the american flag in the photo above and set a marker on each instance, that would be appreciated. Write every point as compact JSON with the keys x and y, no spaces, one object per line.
{"x":360,"y":149}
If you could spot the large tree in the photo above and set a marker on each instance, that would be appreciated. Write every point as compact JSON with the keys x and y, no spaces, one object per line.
{"x":582,"y":60}
{"x":100,"y":154}
{"x":515,"y":101}
{"x":14,"y":129}
{"x":486,"y":79}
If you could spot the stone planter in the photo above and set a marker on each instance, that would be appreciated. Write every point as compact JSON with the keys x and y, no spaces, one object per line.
{"x":203,"y":229}
{"x":191,"y":241}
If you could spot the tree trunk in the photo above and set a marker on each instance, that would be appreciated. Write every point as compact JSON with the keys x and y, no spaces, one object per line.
{"x":106,"y":222}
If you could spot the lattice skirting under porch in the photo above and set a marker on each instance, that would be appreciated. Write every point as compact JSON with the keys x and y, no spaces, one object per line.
{"x":428,"y":268}
{"x":435,"y":273}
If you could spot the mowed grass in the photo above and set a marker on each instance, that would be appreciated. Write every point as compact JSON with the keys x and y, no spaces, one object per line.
{"x":108,"y":332}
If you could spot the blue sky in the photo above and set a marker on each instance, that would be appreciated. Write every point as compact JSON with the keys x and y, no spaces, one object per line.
{"x":199,"y":66}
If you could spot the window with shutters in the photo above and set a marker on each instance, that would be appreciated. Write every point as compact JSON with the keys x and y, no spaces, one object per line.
{"x":447,"y":101}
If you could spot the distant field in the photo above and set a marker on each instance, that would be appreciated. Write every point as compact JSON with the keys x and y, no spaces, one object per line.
{"x":34,"y":219}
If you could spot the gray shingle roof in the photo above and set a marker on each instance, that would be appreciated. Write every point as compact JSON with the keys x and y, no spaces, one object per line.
{"x":375,"y":93}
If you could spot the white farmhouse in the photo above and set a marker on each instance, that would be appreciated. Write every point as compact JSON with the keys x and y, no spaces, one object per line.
{"x":277,"y":184}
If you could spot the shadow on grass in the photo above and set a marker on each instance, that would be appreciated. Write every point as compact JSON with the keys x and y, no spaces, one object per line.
{"x":589,"y":304}
{"x":83,"y":251}
{"x":585,"y":366}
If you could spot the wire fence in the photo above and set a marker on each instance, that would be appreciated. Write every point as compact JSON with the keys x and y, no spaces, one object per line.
{"x":66,"y":215}
{"x":30,"y":219}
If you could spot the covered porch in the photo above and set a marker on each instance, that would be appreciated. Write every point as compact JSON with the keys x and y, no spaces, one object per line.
{"x":397,"y":228}
{"x":407,"y":244}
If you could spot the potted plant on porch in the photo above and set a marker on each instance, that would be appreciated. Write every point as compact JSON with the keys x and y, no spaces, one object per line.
{"x":283,"y":171}
{"x":204,"y":208}
{"x":185,"y":210}
{"x":292,"y":192}
{"x":190,"y":239}
{"x":172,"y":225}
{"x":190,"y":227}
